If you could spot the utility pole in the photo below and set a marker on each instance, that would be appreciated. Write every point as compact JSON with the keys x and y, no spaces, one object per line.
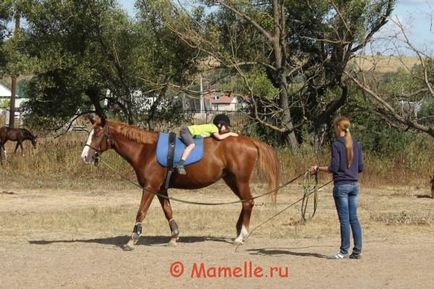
{"x":202,"y":106}
{"x":14,"y":78}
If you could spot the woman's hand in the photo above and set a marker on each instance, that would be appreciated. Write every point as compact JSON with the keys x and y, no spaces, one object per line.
{"x":314,"y":169}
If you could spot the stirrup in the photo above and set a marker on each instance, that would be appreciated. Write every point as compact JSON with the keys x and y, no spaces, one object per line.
{"x":181,"y":170}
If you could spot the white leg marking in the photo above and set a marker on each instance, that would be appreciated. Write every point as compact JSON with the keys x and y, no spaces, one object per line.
{"x":244,"y":233}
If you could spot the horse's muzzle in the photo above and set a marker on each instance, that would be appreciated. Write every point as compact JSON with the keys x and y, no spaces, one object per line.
{"x":92,"y":159}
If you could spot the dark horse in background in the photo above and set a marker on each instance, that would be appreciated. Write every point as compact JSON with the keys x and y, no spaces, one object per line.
{"x":15,"y":134}
{"x":232,"y":160}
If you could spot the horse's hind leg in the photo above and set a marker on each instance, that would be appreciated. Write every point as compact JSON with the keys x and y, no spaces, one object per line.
{"x":2,"y":153}
{"x":147,"y":197}
{"x":167,"y":208}
{"x":246,"y":212}
{"x":242,"y":190}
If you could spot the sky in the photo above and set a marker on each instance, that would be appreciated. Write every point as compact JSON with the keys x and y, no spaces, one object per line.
{"x":416,"y":16}
{"x":417,"y":19}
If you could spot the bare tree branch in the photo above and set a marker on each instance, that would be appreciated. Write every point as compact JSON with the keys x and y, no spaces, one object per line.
{"x":389,"y":109}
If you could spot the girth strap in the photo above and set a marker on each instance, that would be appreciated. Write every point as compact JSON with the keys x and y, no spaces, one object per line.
{"x":170,"y":157}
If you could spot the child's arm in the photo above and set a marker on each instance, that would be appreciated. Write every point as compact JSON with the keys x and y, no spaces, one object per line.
{"x":222,"y":136}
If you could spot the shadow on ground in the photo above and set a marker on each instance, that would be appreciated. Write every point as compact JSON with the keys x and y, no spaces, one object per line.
{"x":120,"y":241}
{"x":424,"y":196}
{"x":285,"y":251}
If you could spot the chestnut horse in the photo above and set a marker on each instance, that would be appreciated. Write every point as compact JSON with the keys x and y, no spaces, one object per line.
{"x":232,"y":159}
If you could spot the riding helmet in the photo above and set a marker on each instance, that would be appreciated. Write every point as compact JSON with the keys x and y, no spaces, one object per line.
{"x":221,"y":119}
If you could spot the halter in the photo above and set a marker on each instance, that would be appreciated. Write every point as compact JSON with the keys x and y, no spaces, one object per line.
{"x":108,"y":139}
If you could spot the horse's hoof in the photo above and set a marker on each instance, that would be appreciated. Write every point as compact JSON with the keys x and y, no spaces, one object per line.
{"x":172,"y":243}
{"x":128,"y":247}
{"x":238,"y":242}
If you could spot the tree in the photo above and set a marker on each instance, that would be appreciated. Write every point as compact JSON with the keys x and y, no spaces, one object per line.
{"x":90,"y":53}
{"x":302,"y":47}
{"x":5,"y":17}
{"x":412,"y":90}
{"x":14,"y":61}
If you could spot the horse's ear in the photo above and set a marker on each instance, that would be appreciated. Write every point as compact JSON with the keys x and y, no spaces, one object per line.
{"x":102,"y":120}
{"x":91,"y":118}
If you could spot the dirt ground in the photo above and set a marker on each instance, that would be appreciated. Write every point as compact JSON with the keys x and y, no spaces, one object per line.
{"x":56,"y":238}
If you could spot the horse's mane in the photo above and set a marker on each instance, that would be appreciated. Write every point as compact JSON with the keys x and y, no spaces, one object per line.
{"x":134,"y":133}
{"x":27,"y":133}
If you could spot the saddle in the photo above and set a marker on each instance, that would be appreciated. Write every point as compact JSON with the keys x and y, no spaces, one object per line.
{"x":169,"y":159}
{"x":169,"y":152}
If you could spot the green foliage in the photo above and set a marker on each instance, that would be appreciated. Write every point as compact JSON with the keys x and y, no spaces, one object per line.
{"x":89,"y":53}
{"x":4,"y":104}
{"x":426,"y":113}
{"x":256,"y":130}
{"x":260,"y":84}
{"x":376,"y":135}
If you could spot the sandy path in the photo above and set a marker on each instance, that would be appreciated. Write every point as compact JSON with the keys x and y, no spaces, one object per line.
{"x":100,"y":263}
{"x":81,"y":251}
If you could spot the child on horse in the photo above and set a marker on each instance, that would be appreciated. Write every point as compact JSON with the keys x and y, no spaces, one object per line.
{"x":219,"y":129}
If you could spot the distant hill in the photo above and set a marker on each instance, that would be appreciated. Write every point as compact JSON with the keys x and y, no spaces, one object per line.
{"x":383,"y":64}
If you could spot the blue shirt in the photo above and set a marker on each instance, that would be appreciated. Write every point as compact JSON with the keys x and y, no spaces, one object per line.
{"x":339,"y":163}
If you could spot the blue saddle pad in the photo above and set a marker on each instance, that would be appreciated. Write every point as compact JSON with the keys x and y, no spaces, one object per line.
{"x":163,"y":148}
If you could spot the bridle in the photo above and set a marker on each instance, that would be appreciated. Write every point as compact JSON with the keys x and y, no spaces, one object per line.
{"x":108,"y":139}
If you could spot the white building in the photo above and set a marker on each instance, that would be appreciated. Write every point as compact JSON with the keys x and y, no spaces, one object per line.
{"x":223,"y":102}
{"x":5,"y":96}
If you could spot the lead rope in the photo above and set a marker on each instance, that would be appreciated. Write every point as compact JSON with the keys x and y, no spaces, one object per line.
{"x":204,"y":203}
{"x":280,"y":212}
{"x":310,"y":186}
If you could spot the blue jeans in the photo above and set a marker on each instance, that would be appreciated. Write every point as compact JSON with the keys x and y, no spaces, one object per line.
{"x":346,"y":197}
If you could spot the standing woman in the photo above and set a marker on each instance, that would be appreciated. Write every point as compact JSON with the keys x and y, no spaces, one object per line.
{"x":346,"y":164}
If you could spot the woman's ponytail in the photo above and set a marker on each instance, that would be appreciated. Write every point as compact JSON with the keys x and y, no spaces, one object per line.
{"x":343,"y":123}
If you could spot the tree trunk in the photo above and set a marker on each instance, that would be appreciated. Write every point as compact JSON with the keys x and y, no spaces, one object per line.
{"x":289,"y":136}
{"x":93,"y":94}
{"x":14,"y":80}
{"x":12,"y":102}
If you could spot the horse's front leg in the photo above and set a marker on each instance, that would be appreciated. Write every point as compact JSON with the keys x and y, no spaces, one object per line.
{"x":147,"y":197}
{"x":167,"y":208}
{"x":19,"y":144}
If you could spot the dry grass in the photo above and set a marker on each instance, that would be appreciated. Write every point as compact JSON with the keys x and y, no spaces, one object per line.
{"x":50,"y":190}
{"x":56,"y":163}
{"x":384,"y":64}
{"x":73,"y":213}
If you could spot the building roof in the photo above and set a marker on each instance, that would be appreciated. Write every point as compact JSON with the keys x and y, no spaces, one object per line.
{"x":220,"y":99}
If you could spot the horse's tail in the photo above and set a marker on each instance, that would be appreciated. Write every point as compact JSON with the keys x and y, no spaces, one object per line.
{"x":269,"y":166}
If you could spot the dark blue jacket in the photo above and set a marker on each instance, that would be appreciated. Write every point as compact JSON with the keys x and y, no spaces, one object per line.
{"x":339,"y":164}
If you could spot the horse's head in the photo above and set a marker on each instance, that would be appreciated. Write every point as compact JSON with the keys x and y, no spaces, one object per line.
{"x":97,"y":142}
{"x":24,"y":134}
